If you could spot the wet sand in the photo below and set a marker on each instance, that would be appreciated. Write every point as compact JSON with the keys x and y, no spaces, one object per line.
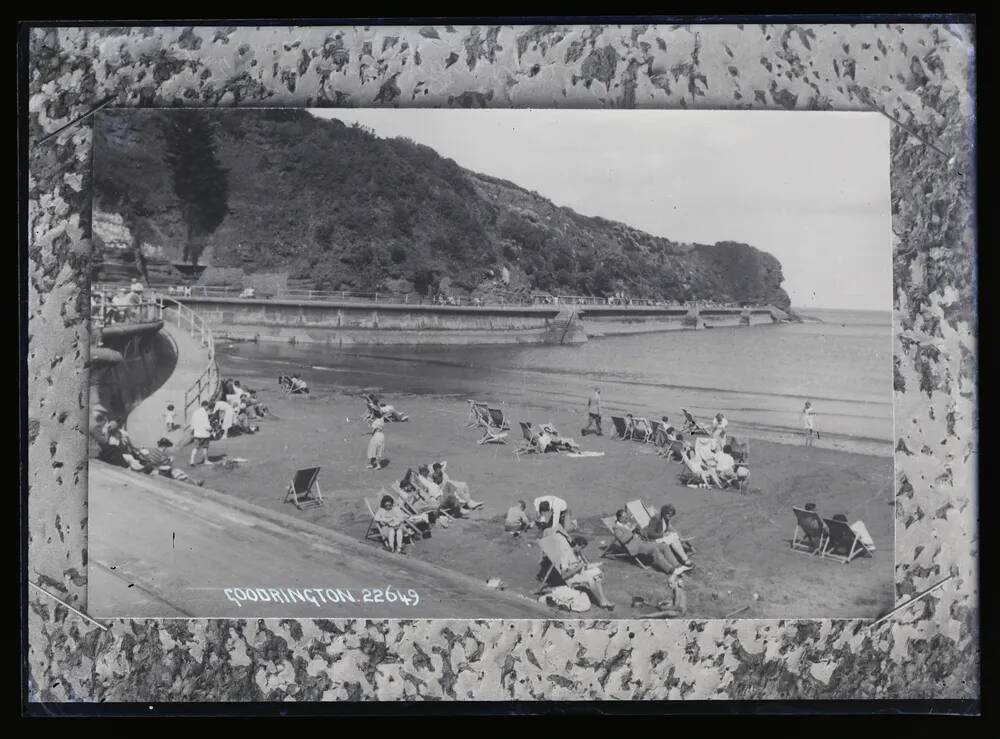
{"x":742,"y":542}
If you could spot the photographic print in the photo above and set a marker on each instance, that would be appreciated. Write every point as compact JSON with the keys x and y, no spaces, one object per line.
{"x":390,"y":363}
{"x":557,"y":364}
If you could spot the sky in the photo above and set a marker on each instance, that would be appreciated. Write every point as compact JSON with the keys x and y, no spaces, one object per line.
{"x":811,"y":188}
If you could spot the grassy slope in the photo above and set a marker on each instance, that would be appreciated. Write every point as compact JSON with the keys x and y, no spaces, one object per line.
{"x":345,"y":209}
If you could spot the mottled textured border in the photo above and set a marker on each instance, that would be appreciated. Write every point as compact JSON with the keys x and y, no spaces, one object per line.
{"x":922,"y":76}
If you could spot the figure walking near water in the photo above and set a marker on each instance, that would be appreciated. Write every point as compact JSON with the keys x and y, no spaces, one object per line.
{"x":376,"y":444}
{"x":593,"y":413}
{"x":808,"y":423}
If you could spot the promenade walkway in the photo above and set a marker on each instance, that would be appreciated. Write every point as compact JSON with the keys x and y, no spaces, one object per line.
{"x":162,"y":549}
{"x":145,"y":423}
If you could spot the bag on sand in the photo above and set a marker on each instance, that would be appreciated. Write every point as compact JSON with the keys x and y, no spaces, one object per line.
{"x":567,"y":599}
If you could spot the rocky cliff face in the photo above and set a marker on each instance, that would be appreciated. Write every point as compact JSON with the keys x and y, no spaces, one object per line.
{"x":338,"y":208}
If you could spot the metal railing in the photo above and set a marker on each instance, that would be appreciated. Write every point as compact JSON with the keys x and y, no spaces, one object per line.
{"x":202,"y":291}
{"x":207,"y":383}
{"x":104,"y":313}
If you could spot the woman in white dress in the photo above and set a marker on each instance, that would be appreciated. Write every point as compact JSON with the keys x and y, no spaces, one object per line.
{"x":376,"y":444}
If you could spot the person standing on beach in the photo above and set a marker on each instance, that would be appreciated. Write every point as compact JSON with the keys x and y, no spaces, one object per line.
{"x":593,"y":413}
{"x":201,"y":426}
{"x":808,"y":423}
{"x":376,"y":444}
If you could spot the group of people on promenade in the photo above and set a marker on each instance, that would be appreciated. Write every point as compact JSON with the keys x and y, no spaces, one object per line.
{"x":124,"y":305}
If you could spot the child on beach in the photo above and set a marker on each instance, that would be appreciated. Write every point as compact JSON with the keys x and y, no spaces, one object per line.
{"x":808,"y":423}
{"x":168,"y":417}
{"x":517,"y":520}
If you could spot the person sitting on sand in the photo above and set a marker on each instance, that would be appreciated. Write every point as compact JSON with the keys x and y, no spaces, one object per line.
{"x":860,"y":530}
{"x":227,"y":416}
{"x":390,"y":413}
{"x":517,"y":520}
{"x":117,"y":448}
{"x":557,"y":442}
{"x":391,"y":522}
{"x":705,"y":450}
{"x":448,"y":486}
{"x":577,"y":572}
{"x":664,"y":436}
{"x":660,"y":554}
{"x":163,"y":464}
{"x":814,"y":535}
{"x":725,"y":466}
{"x":298,"y":385}
{"x":446,"y":500}
{"x":694,"y":472}
{"x":661,"y":530}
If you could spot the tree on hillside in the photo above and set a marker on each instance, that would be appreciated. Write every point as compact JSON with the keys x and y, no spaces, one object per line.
{"x":200,"y":181}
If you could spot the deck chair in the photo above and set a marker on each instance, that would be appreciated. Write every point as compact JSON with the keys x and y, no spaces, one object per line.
{"x":810,"y":535}
{"x":492,"y":432}
{"x":656,"y":435}
{"x":527,"y":447}
{"x":402,"y":498}
{"x":552,"y":547}
{"x":642,"y":430}
{"x":412,"y":532}
{"x":691,"y":426}
{"x":616,"y":549}
{"x":303,"y":490}
{"x":498,"y":419}
{"x":621,"y":429}
{"x":477,"y":411}
{"x":640,"y":512}
{"x":841,"y":537}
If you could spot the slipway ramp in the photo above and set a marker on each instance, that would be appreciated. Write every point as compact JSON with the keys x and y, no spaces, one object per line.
{"x":163,"y":549}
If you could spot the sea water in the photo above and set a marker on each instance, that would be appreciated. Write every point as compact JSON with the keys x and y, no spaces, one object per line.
{"x":759,"y":376}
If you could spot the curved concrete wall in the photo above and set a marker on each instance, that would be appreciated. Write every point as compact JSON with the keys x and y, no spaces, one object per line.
{"x":149,"y":357}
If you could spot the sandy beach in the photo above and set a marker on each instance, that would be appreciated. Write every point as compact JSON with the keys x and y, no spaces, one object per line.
{"x":743,"y":557}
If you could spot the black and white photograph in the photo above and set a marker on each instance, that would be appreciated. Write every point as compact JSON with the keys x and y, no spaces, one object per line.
{"x":461,"y":364}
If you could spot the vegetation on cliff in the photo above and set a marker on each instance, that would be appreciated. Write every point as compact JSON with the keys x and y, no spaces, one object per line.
{"x":344,"y":209}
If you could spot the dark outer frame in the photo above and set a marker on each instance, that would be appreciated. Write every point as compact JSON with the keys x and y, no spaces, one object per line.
{"x":921,"y":75}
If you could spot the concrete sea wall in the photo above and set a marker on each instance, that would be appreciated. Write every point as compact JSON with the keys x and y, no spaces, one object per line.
{"x":146,"y":358}
{"x":350,"y":323}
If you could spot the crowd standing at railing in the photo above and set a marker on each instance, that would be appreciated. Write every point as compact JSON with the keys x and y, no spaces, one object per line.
{"x":111,"y":295}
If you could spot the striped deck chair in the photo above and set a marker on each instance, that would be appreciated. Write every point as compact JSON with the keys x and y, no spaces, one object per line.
{"x":499,"y":419}
{"x":616,"y":548}
{"x":842,"y":544}
{"x":810,"y":535}
{"x":621,"y":428}
{"x":477,"y":412}
{"x":640,"y":512}
{"x":643,"y":515}
{"x":552,"y":547}
{"x":642,"y":430}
